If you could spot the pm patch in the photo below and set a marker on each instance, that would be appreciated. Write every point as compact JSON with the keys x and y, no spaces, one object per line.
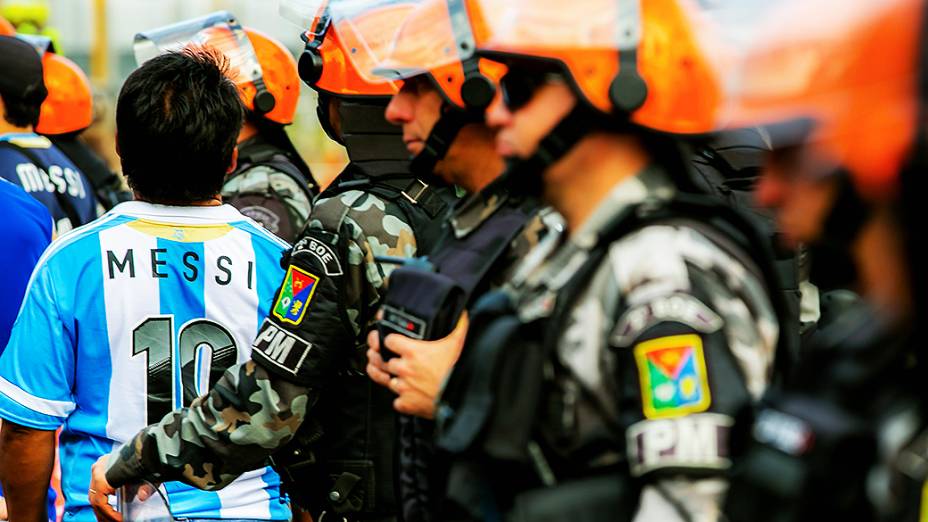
{"x":280,"y":348}
{"x":673,"y":376}
{"x":295,"y":295}
{"x":696,"y":442}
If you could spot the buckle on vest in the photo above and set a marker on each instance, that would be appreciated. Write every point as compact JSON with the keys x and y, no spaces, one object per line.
{"x":415,"y":199}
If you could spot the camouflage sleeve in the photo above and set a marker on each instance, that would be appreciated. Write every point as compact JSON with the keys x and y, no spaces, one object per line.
{"x":316,"y":327}
{"x":368,"y":226}
{"x":233,"y":429}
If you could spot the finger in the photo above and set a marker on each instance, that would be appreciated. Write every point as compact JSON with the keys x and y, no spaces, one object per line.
{"x":376,"y":359}
{"x":380,"y":377}
{"x":414,"y":405}
{"x":398,"y":367}
{"x":373,"y":340}
{"x":402,"y":345}
{"x":103,"y":510}
{"x":460,"y":330}
{"x":399,"y":386}
{"x":146,"y":491}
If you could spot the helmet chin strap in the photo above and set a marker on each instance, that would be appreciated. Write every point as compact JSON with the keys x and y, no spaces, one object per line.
{"x":477,"y":92}
{"x":439,"y":141}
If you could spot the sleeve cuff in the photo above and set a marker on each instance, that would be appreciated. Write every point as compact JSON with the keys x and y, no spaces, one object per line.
{"x":123,"y":467}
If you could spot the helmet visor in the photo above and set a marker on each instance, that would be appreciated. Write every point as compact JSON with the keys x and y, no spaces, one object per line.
{"x":42,"y":44}
{"x":220,"y":30}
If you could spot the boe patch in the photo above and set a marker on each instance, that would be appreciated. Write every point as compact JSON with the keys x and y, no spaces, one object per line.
{"x":673,"y":376}
{"x":680,"y":308}
{"x":322,"y":252}
{"x":280,"y":347}
{"x":694,"y":441}
{"x":295,"y":295}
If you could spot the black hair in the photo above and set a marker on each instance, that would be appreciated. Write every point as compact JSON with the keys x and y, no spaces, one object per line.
{"x":22,"y":112}
{"x":178,"y":118}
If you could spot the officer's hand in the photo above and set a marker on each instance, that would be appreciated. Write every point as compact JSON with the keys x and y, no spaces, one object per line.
{"x":99,"y":493}
{"x":411,"y":402}
{"x":417,"y":372}
{"x":376,"y":368}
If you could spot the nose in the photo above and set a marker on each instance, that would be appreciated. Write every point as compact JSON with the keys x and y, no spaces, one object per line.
{"x":498,"y":115}
{"x":400,"y":110}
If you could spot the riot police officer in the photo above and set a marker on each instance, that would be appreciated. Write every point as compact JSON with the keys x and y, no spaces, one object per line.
{"x":602,"y":381}
{"x":844,"y":437}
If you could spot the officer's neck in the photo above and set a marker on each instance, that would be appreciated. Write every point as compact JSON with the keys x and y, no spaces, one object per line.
{"x":577,"y":184}
{"x":8,"y":128}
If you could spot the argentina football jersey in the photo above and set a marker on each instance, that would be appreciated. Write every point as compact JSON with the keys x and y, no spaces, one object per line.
{"x":133,"y":316}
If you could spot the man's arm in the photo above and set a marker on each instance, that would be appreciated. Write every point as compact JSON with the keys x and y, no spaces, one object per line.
{"x":23,"y":448}
{"x":318,"y":316}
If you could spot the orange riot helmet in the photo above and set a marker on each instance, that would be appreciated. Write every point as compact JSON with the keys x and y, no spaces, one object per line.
{"x":428,"y":43}
{"x":279,"y":76}
{"x":436,"y":41}
{"x":263,"y":69}
{"x":69,"y":105}
{"x":840,"y":78}
{"x":6,"y":28}
{"x":335,"y":61}
{"x":651,"y":61}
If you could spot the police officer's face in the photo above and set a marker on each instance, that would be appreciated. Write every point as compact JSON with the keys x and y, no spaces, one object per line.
{"x":416,"y":108}
{"x":524,"y":121}
{"x":800,"y":200}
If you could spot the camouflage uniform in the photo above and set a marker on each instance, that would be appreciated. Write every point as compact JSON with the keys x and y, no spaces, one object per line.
{"x":272,"y":186}
{"x":601,"y":356}
{"x":307,"y":364}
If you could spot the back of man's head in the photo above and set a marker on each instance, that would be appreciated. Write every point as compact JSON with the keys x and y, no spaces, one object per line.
{"x":22,"y":87}
{"x":177,"y":119}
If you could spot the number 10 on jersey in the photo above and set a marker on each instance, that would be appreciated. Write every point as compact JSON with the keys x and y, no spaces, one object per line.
{"x":178,"y":372}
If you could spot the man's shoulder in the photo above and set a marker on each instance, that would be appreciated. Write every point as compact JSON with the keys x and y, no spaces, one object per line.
{"x":361,"y":214}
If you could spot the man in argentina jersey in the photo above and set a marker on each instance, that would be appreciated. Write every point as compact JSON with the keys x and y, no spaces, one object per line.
{"x":140,"y":311}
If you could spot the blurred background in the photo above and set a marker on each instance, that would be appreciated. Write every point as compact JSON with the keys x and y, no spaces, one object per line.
{"x":98,"y":34}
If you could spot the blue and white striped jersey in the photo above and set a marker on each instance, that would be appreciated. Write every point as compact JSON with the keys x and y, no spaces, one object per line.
{"x":134,"y":315}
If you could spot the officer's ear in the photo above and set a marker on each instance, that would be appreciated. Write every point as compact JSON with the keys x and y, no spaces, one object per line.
{"x":234,"y":162}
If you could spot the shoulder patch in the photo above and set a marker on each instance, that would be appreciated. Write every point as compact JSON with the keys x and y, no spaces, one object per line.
{"x":681,"y":308}
{"x":695,"y":441}
{"x":673,"y":376}
{"x":280,"y":347}
{"x":295,"y":295}
{"x":322,"y":252}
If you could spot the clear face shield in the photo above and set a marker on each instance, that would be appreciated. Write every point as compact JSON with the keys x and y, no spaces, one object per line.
{"x":363,"y":30}
{"x":220,"y":30}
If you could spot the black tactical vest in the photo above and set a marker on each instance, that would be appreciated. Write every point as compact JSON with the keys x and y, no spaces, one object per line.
{"x":488,"y":415}
{"x":341,"y":462}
